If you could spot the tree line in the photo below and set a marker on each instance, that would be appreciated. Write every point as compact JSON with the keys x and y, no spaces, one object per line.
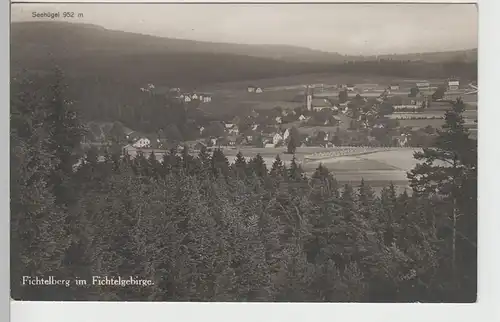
{"x":204,"y":229}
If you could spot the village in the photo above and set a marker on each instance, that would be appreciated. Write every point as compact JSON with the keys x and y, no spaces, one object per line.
{"x":355,"y":128}
{"x":325,"y":116}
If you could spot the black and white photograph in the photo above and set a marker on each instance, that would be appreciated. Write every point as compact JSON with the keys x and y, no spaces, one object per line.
{"x":244,"y":152}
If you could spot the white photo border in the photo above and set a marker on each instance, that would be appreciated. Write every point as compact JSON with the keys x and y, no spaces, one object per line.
{"x":486,"y":308}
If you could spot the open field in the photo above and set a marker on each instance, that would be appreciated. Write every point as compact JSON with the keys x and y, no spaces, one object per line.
{"x":232,"y":96}
{"x":436,"y":123}
{"x":297,"y":81}
{"x":377,"y":166}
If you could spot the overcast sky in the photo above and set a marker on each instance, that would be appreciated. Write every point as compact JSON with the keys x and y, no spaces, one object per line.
{"x":344,"y":28}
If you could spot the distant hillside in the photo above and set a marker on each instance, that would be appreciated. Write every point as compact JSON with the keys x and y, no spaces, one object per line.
{"x":81,"y":39}
{"x":91,"y":51}
{"x":75,"y":39}
{"x":105,"y":69}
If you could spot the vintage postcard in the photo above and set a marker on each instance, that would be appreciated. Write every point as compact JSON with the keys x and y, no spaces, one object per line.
{"x":244,"y":152}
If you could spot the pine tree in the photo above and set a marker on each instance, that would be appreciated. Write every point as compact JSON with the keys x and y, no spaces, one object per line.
{"x":220,"y":164}
{"x":240,"y":166}
{"x":187,"y":160}
{"x":295,"y":172}
{"x":174,"y":161}
{"x":323,"y":184}
{"x":66,"y":133}
{"x":348,"y":194}
{"x":365,"y":195}
{"x":292,"y":145}
{"x":258,"y":166}
{"x":278,"y":169}
{"x":449,"y":171}
{"x":204,"y":163}
{"x":140,"y":164}
{"x":153,"y":165}
{"x":39,"y":235}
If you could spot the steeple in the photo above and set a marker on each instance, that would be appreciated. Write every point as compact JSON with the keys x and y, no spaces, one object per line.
{"x":309,"y":96}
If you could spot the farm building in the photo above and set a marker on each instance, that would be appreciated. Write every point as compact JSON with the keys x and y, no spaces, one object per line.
{"x":394,"y":87}
{"x":142,"y":143}
{"x":206,"y":98}
{"x":319,"y":104}
{"x":258,"y":90}
{"x":277,"y":138}
{"x":453,"y":84}
{"x":186,"y":97}
{"x":350,"y":87}
{"x":232,"y":140}
{"x":251,"y":89}
{"x":423,"y":86}
{"x":409,"y":103}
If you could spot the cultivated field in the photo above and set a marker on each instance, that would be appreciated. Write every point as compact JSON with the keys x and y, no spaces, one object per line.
{"x":296,"y":81}
{"x":377,"y":166}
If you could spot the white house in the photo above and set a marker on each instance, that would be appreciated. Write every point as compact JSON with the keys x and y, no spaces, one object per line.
{"x":206,"y":99}
{"x":394,"y":87}
{"x":423,"y":86}
{"x":453,"y":85}
{"x":229,"y":125}
{"x":187,"y":99}
{"x":194,"y":96}
{"x":412,"y":106}
{"x":202,"y":128}
{"x":350,"y":87}
{"x":277,"y":138}
{"x":251,"y":89}
{"x":279,"y":119}
{"x":142,"y":143}
{"x":302,"y":117}
{"x":258,"y":90}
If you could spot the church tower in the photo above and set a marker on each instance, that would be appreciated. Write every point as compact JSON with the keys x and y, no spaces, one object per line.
{"x":309,"y":95}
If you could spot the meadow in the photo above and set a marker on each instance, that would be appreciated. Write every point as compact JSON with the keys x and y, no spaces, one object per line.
{"x":378,"y":167}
